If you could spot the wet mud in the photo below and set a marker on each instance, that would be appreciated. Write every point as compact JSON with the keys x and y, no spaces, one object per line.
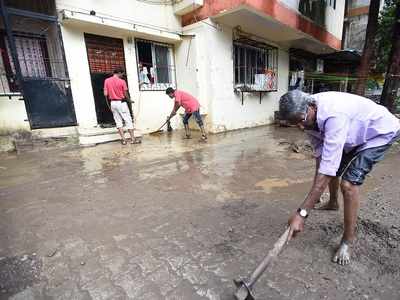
{"x":18,"y":273}
{"x":177,"y":219}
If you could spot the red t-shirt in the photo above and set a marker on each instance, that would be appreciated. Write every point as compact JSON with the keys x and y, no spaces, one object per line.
{"x":187,"y":101}
{"x":115,"y":88}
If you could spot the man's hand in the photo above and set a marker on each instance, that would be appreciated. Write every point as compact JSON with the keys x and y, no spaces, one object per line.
{"x":296,"y":224}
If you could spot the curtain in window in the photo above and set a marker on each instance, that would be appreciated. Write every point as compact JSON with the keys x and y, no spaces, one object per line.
{"x":30,"y":56}
{"x":162,"y":63}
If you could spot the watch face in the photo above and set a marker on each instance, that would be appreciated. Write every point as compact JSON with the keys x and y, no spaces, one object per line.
{"x":303,"y":213}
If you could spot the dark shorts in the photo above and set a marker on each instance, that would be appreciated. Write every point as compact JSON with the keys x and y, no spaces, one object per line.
{"x":196,"y":115}
{"x":355,"y":166}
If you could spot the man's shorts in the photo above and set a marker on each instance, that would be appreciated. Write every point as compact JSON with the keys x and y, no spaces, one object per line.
{"x":355,"y":166}
{"x":196,"y":115}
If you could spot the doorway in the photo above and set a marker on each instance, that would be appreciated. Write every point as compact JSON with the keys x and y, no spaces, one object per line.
{"x":104,"y":54}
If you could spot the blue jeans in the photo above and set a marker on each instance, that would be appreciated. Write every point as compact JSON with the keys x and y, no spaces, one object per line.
{"x":196,"y":115}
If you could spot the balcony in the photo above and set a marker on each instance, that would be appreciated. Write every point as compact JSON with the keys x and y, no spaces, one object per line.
{"x":301,"y":26}
{"x":314,"y":10}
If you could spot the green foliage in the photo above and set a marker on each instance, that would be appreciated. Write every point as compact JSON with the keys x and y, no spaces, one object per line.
{"x":371,"y":84}
{"x":384,"y":35}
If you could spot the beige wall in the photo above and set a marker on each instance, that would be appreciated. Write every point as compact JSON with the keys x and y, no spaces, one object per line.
{"x":12,"y":115}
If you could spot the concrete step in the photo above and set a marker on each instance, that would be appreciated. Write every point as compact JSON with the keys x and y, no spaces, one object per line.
{"x":97,"y":135}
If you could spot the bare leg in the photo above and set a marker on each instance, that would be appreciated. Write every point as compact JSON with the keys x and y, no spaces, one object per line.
{"x":187,"y":131}
{"x":203,"y":133}
{"x":351,"y":203}
{"x":333,"y":195}
{"x":131,"y":134}
{"x":133,"y":139}
{"x":121,"y":133}
{"x":317,"y":162}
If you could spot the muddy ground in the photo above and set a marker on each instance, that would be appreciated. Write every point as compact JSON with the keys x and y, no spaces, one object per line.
{"x":175,"y":219}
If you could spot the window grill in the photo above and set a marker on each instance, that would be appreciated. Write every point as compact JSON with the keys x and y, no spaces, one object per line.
{"x":255,"y":66}
{"x":38,"y":50}
{"x":156,"y":68}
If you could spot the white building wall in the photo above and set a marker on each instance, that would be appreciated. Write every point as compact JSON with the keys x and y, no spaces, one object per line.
{"x":138,"y":11}
{"x":192,"y":73}
{"x":151,"y":107}
{"x":204,"y":70}
{"x":334,"y":19}
{"x":216,"y":82}
{"x":78,"y":68}
{"x":12,"y":115}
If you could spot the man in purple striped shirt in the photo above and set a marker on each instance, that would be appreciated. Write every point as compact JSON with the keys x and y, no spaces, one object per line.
{"x":350,"y":134}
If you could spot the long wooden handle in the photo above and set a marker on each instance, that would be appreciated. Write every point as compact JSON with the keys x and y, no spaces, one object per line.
{"x":272,"y":254}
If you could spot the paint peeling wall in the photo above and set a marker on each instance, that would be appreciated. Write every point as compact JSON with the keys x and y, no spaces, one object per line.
{"x":356,"y":24}
{"x":355,"y":33}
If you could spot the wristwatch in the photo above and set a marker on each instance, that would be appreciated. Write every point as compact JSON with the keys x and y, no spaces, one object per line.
{"x":302,"y":212}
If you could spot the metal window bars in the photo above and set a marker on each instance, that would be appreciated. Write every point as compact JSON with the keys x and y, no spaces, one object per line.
{"x":39,"y":53}
{"x":255,"y":66}
{"x":156,"y":68}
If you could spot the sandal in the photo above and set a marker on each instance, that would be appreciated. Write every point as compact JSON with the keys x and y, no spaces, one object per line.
{"x":136,"y":141}
{"x":203,"y":138}
{"x":123,"y":142}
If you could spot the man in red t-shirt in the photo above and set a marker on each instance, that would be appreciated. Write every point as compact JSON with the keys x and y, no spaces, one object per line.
{"x":116,"y":91}
{"x":191,"y":106}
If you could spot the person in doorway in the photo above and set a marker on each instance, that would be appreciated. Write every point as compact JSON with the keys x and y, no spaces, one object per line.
{"x":350,"y":134}
{"x":191,"y":106}
{"x":116,"y":91}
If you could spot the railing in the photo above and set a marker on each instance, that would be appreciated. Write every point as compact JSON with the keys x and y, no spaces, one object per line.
{"x":256,"y":79}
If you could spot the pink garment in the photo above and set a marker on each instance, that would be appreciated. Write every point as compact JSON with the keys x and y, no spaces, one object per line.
{"x":115,"y":88}
{"x":187,"y":101}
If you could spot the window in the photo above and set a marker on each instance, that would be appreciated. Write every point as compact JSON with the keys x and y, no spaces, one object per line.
{"x":33,"y":59}
{"x":156,"y":69}
{"x":255,"y":65}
